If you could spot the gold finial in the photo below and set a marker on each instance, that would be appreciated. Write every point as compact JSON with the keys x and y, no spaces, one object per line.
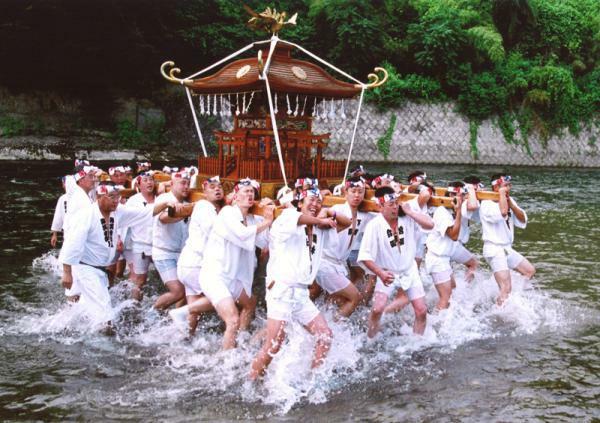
{"x":172,"y":76}
{"x":374,"y":80}
{"x":270,"y":20}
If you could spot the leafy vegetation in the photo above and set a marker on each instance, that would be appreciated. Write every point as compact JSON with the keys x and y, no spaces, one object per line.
{"x":535,"y":63}
{"x":11,"y":126}
{"x":384,"y":143}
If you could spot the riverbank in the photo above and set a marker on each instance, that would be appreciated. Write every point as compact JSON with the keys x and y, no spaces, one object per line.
{"x":58,"y":148}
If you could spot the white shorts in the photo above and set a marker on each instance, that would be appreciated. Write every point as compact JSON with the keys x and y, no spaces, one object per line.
{"x":167,"y":269}
{"x":95,"y":299}
{"x":461,"y":254}
{"x":501,"y":258}
{"x":141,"y":263}
{"x":332,"y":277}
{"x":190,"y":278}
{"x":410,"y":282}
{"x":287,"y":303}
{"x":439,"y":267}
{"x":420,"y":250}
{"x":128,"y":256}
{"x":217,"y":288}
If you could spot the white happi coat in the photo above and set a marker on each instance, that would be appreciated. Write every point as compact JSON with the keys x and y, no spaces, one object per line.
{"x":201,"y":223}
{"x":379,"y":245}
{"x":291,"y":260}
{"x":168,"y":238}
{"x":341,"y":243}
{"x":77,"y":202}
{"x":90,"y":246}
{"x":59,"y":214}
{"x":498,"y":232}
{"x":467,"y":216}
{"x":140,"y":233}
{"x":231,"y":245}
{"x":437,"y":241}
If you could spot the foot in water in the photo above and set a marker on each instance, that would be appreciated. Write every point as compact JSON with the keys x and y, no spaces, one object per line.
{"x":180,"y":318}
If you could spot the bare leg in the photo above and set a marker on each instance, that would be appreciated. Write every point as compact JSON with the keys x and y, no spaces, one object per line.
{"x":379,"y":302}
{"x":356,"y":274}
{"x":504,"y":283}
{"x":197,"y":304}
{"x":472,"y":265}
{"x":347,"y":299}
{"x":526,"y":269}
{"x":314,"y":290}
{"x":418,"y":260}
{"x":176,"y":293}
{"x":229,"y":313}
{"x":369,"y":287}
{"x":139,"y":282}
{"x":275,"y":335}
{"x":400,"y":301}
{"x":120,"y":269}
{"x":444,"y":290}
{"x":248,"y":306}
{"x":319,"y":329}
{"x":420,"y":309}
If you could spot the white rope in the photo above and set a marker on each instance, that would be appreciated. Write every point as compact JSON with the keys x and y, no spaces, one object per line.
{"x":273,"y":118}
{"x":274,"y":40}
{"x":314,"y":56}
{"x":189,"y":96}
{"x":360,"y":100}
{"x":231,"y":56}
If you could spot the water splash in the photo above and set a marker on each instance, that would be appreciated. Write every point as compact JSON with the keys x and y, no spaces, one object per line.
{"x":176,"y":368}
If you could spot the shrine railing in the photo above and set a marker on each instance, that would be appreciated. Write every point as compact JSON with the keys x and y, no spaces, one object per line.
{"x":209,"y":166}
{"x":330,"y":169}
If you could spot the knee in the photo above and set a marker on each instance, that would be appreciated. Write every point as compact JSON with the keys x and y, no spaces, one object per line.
{"x":420,"y":311}
{"x":530,"y":272}
{"x":355,"y":297}
{"x":377,"y":310}
{"x":251,"y":303}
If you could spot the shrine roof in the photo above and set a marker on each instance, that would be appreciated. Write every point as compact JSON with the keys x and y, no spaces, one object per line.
{"x":286,"y":74}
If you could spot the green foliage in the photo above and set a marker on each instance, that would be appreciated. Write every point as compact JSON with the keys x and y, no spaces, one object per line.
{"x":488,"y":41}
{"x":473,"y":129}
{"x":398,"y":89}
{"x":11,"y":126}
{"x":505,"y":123}
{"x":482,"y":96}
{"x":384,"y":143}
{"x":535,"y":60}
{"x":127,"y":135}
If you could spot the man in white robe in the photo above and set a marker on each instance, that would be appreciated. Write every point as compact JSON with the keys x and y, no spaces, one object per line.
{"x":90,"y":248}
{"x":190,"y":261}
{"x":333,"y":274}
{"x":168,"y":238}
{"x":228,"y":264}
{"x":296,"y":242}
{"x":498,"y":221}
{"x":140,"y":234}
{"x":388,"y":250}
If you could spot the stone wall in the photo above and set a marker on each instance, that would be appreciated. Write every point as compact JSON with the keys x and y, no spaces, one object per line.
{"x":427,"y":133}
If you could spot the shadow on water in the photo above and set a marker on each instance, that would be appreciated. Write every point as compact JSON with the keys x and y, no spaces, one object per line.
{"x":537,"y":358}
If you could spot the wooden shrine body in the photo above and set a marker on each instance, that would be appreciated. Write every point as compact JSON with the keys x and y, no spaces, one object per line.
{"x":249,"y":151}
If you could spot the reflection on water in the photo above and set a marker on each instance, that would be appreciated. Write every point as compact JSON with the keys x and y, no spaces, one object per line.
{"x":536,"y":358}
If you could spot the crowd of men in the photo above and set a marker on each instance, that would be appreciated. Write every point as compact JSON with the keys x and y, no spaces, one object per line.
{"x":207,"y":260}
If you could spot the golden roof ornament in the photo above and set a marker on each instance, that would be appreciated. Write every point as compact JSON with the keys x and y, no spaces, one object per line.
{"x":269,"y":20}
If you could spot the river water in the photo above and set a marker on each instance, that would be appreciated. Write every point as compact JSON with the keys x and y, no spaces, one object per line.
{"x":537,"y":358}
